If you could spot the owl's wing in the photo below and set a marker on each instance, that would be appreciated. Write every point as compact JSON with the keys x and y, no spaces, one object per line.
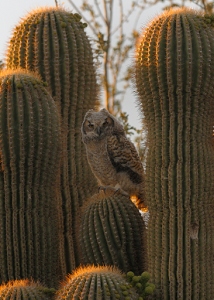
{"x":124,"y":157}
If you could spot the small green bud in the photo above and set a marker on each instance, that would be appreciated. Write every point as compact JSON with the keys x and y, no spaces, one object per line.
{"x":149,"y":290}
{"x":123,"y":287}
{"x":19,"y":85}
{"x":152,"y":286}
{"x":136,"y":279}
{"x":130,"y":274}
{"x":77,"y":17}
{"x":139,"y":285}
{"x":145,"y":276}
{"x":125,"y":293}
{"x":63,"y":24}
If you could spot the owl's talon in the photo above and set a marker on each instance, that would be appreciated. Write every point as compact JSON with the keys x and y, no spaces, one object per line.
{"x":117,"y":191}
{"x":101,"y":188}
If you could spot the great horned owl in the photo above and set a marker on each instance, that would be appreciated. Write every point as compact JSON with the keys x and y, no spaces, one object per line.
{"x":112,"y":156}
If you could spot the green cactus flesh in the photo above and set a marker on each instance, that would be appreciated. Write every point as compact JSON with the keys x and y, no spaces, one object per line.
{"x":101,"y":283}
{"x":29,"y":149}
{"x":174,"y":73}
{"x":53,"y":43}
{"x":111,"y":232}
{"x":24,"y":290}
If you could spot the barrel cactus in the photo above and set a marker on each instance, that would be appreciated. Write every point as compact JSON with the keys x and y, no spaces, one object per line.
{"x":174,"y":73}
{"x":52,"y":42}
{"x":25,"y":290}
{"x":101,"y":282}
{"x":112,"y":232}
{"x":29,"y":149}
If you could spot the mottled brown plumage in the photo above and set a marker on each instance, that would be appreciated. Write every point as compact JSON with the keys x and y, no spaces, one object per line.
{"x":112,"y":156}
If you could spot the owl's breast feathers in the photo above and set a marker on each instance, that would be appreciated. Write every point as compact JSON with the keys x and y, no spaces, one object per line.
{"x":125,"y":158}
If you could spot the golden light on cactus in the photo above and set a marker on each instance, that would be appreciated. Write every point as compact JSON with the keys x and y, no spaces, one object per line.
{"x":100,"y":282}
{"x":16,"y":283}
{"x":94,"y":269}
{"x":25,"y":289}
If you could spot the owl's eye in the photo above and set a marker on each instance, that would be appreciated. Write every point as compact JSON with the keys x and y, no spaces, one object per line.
{"x":105,"y":123}
{"x":90,"y":125}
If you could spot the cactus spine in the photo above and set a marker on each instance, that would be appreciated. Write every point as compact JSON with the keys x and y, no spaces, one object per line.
{"x":111,"y":233}
{"x":29,"y":148}
{"x":24,"y":290}
{"x":174,"y":79}
{"x":52,"y":42}
{"x":97,"y":283}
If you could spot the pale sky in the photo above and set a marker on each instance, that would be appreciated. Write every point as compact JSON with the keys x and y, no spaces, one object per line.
{"x":12,"y":11}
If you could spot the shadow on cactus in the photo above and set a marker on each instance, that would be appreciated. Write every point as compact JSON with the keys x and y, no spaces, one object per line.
{"x":112,"y":232}
{"x":52,"y":42}
{"x":29,"y":148}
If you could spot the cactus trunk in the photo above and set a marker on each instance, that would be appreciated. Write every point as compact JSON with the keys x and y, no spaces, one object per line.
{"x":29,"y":147}
{"x":52,"y":42}
{"x":174,"y":79}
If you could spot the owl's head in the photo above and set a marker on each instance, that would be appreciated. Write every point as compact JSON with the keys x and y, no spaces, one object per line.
{"x":99,"y":124}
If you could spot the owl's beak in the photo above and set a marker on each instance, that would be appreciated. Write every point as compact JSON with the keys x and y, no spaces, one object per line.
{"x":98,"y":130}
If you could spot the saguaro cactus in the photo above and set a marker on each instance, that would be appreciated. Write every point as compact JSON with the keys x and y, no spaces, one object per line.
{"x":52,"y":42}
{"x":111,"y":232}
{"x":97,"y":283}
{"x":174,"y":79}
{"x":29,"y":148}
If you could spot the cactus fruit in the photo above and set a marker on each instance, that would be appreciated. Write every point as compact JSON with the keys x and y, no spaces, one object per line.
{"x":29,"y":149}
{"x":52,"y":42}
{"x":174,"y":73}
{"x":25,"y":290}
{"x":101,"y":283}
{"x":111,"y":232}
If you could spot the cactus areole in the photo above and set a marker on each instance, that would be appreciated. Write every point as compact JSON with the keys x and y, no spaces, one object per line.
{"x":174,"y":73}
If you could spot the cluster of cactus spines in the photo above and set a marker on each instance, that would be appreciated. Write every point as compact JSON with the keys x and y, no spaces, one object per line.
{"x":25,"y":289}
{"x":112,"y":232}
{"x":174,"y":79}
{"x":53,"y":43}
{"x":29,"y":148}
{"x":101,"y":282}
{"x":141,"y":282}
